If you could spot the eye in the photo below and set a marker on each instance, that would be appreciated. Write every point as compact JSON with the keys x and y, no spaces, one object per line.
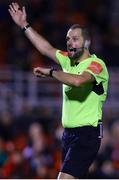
{"x":75,"y":38}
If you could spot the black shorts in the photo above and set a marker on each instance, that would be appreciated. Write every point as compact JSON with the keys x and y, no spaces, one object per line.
{"x":79,"y":149}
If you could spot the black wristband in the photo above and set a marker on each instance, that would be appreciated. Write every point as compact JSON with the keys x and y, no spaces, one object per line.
{"x":25,"y":27}
{"x":51,"y":71}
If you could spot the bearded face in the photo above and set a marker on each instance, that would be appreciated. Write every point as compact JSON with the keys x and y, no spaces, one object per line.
{"x":75,"y":53}
{"x":75,"y":43}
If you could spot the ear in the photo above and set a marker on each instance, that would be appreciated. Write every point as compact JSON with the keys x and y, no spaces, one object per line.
{"x":87,"y":44}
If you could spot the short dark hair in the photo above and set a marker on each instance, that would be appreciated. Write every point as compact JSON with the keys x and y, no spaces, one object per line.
{"x":85,"y":31}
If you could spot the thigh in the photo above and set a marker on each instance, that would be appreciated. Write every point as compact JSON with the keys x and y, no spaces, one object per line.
{"x":80,"y":153}
{"x":66,"y":138}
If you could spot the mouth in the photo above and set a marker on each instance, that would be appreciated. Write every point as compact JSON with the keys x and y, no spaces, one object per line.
{"x":72,"y":49}
{"x":74,"y":53}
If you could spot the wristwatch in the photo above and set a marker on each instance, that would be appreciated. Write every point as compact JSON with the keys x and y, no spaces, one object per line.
{"x":51,"y":72}
{"x":25,"y":27}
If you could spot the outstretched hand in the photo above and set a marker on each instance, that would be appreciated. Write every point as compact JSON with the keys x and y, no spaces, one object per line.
{"x":41,"y":72}
{"x":18,"y":14}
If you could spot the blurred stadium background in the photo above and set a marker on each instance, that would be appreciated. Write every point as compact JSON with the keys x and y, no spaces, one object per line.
{"x":30,"y":108}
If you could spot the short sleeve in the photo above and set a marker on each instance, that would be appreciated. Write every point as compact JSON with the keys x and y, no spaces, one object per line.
{"x":62,"y":57}
{"x":98,"y":70}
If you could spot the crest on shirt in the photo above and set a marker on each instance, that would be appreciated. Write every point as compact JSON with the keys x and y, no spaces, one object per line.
{"x":95,"y":67}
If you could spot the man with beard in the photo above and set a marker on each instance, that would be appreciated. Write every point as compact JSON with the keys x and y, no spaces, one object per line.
{"x":85,"y":81}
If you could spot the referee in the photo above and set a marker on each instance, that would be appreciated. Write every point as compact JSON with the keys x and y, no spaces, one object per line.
{"x":85,"y":82}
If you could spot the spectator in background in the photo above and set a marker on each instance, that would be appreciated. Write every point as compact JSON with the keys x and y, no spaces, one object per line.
{"x":85,"y":79}
{"x":37,"y":153}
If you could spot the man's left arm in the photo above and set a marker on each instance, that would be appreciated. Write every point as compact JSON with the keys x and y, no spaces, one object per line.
{"x":65,"y":78}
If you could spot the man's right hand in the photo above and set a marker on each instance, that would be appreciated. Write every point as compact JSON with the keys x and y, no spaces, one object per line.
{"x":18,"y":15}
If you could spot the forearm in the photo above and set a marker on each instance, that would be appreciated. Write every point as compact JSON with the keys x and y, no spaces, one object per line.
{"x":65,"y":78}
{"x":38,"y":41}
{"x":69,"y":79}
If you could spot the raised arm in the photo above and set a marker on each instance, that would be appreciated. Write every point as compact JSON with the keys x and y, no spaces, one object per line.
{"x":19,"y":16}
